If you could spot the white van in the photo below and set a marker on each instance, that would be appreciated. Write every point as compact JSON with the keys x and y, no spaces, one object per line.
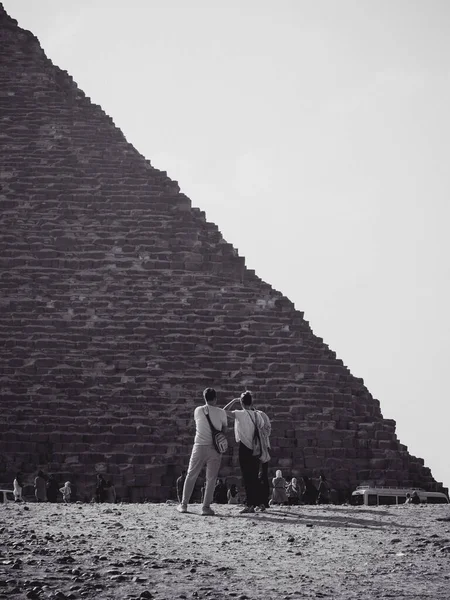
{"x":365,"y":495}
{"x":6,"y":496}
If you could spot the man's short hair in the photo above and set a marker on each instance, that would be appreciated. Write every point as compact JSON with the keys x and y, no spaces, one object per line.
{"x":246,"y":398}
{"x":209,"y":394}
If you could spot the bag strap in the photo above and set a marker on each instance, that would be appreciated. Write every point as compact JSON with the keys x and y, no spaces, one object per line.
{"x":256,"y":432}
{"x":255,"y":421}
{"x":213,"y":429}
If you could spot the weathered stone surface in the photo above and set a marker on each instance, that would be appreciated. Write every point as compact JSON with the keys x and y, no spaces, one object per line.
{"x":120,"y":303}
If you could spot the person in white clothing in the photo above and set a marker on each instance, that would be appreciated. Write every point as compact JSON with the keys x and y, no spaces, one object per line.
{"x":17,"y":487}
{"x":203,"y":452}
{"x":66,"y":491}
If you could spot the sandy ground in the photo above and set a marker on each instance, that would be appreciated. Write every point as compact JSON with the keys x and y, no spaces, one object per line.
{"x":136,"y":551}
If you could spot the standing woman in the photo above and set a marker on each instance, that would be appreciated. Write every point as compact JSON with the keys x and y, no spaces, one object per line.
{"x":247,"y":419}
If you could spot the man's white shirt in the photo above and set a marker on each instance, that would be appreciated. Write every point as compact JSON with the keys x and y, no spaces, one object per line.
{"x":218,"y":416}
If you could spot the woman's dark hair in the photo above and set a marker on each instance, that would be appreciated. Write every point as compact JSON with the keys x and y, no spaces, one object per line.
{"x":233,"y":489}
{"x":40,"y":474}
{"x":246,"y":398}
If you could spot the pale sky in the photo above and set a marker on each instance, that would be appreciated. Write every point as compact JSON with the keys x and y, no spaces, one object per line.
{"x":316,"y":135}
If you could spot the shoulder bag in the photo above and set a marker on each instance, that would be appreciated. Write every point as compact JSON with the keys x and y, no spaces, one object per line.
{"x":219,"y":439}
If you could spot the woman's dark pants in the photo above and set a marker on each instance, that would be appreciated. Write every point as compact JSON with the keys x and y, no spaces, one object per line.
{"x":249,"y":468}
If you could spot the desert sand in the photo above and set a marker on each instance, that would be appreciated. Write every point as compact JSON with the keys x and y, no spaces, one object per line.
{"x":133,"y":551}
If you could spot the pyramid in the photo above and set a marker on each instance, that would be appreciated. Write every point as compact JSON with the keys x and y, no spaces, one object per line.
{"x":120,"y":303}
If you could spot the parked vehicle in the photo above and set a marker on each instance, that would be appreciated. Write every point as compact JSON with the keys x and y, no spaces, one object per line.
{"x":6,"y":496}
{"x":365,"y":495}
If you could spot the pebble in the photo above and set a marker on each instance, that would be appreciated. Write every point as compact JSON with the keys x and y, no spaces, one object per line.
{"x":65,"y":559}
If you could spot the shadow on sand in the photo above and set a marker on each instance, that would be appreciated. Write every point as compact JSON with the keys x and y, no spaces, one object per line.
{"x":336,"y":519}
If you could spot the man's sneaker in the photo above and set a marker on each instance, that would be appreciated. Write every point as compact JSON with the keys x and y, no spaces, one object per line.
{"x":247,"y":509}
{"x":207,"y":511}
{"x":262,"y":508}
{"x":182,"y":508}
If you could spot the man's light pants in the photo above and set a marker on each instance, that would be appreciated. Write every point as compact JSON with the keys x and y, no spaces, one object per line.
{"x":201,"y":456}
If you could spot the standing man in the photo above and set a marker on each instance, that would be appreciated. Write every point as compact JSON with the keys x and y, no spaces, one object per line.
{"x":40,"y":487}
{"x":52,"y":489}
{"x":203,"y":452}
{"x":100,"y":489}
{"x":246,"y":419}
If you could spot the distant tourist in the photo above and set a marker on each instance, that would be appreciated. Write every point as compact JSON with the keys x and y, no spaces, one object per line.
{"x":66,"y":492}
{"x":323,"y":491}
{"x":247,"y":419}
{"x":415,"y":498}
{"x":100,"y":489}
{"x":18,"y":487}
{"x":233,"y":494}
{"x":40,"y":487}
{"x":279,"y":495}
{"x":110,"y":492}
{"x":52,"y":489}
{"x":263,"y":474}
{"x":179,"y":485}
{"x":294,"y":492}
{"x":310,"y":493}
{"x":204,"y":452}
{"x":220,"y":492}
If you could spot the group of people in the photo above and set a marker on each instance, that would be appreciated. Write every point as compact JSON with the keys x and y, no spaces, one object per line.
{"x":299,"y":491}
{"x":249,"y":424}
{"x":413,"y":498}
{"x":289,"y":492}
{"x":47,"y":489}
{"x":252,"y":430}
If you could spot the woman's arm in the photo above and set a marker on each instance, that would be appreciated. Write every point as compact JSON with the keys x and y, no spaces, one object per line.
{"x":227,"y":407}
